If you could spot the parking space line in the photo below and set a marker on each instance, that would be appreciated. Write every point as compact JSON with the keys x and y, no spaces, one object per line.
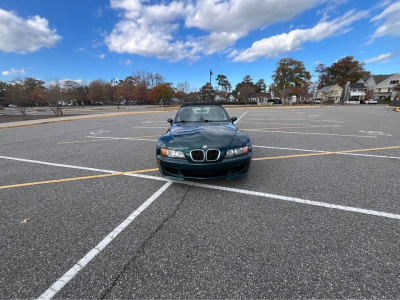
{"x":292,"y":149}
{"x":240,"y":117}
{"x":58,"y":165}
{"x":310,"y":133}
{"x":150,"y":127}
{"x":278,"y":197}
{"x":311,"y":126}
{"x":324,"y":153}
{"x":273,"y":123}
{"x":115,"y":173}
{"x":117,"y":138}
{"x":302,"y":201}
{"x":319,"y":151}
{"x":100,"y":138}
{"x":75,"y":178}
{"x":330,"y":121}
{"x":71,"y":273}
{"x":273,"y":107}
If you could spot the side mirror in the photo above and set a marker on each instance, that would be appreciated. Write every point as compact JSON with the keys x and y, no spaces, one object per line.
{"x":233,"y":119}
{"x":169,"y":120}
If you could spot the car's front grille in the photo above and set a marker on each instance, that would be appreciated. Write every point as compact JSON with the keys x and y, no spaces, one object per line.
{"x":197,"y":155}
{"x":212,"y":155}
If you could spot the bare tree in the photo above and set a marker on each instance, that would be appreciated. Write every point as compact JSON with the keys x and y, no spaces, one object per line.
{"x":183,"y":90}
{"x":53,"y":95}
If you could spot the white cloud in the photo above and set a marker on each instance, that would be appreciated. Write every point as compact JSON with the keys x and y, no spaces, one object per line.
{"x":101,"y":56}
{"x":383,"y":3}
{"x":98,"y":13}
{"x":318,"y":62}
{"x":96,"y":43}
{"x":152,"y":30}
{"x":80,"y":49}
{"x":331,"y":6}
{"x":25,"y":35}
{"x":287,"y":42}
{"x":13,"y":72}
{"x":390,"y":25}
{"x":381,"y":58}
{"x":127,"y":62}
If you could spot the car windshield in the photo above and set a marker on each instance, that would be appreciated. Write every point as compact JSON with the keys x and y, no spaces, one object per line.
{"x":201,"y":113}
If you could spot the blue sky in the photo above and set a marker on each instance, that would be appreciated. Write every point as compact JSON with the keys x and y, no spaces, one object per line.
{"x":182,"y":39}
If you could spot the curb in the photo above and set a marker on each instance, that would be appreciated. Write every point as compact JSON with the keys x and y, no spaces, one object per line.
{"x":394,"y":108}
{"x":80,"y":118}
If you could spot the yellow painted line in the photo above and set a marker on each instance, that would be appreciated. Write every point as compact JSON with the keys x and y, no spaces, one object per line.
{"x":55,"y":120}
{"x":279,"y":119}
{"x":273,"y":107}
{"x":107,"y":109}
{"x":156,"y":169}
{"x":325,"y":153}
{"x":75,"y":178}
{"x":110,"y":139}
{"x":316,"y":126}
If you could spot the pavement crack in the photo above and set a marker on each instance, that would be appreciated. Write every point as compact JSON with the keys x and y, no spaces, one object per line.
{"x":144,"y":244}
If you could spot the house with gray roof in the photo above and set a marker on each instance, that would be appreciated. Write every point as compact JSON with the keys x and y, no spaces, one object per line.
{"x":381,"y":85}
{"x":357,"y":91}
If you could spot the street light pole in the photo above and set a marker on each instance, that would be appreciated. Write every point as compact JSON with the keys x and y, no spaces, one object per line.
{"x":211,"y":73}
{"x":114,"y":81}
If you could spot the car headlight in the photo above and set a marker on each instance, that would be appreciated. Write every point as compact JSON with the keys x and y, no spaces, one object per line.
{"x":172,"y":153}
{"x":237,"y":152}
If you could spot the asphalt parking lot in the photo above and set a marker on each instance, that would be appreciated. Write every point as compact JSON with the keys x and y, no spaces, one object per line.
{"x":85,"y":213}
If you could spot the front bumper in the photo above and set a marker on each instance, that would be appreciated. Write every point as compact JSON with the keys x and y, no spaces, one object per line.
{"x":179,"y":169}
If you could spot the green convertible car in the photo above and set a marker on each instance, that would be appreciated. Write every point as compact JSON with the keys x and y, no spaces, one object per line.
{"x":203,"y":143}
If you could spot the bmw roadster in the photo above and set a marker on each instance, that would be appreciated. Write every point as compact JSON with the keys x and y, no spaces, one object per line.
{"x":203,"y":143}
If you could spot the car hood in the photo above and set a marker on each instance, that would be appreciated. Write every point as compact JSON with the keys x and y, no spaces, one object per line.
{"x":195,"y":136}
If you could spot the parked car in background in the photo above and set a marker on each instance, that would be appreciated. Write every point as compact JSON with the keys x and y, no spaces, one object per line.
{"x":317,"y":101}
{"x":12,"y":105}
{"x":371,"y":101}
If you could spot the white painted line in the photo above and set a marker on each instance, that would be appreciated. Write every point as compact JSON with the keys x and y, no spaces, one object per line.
{"x":279,"y":197}
{"x":310,"y":133}
{"x":298,"y":200}
{"x":292,"y":149}
{"x":240,"y":117}
{"x":286,"y":124}
{"x":71,"y":273}
{"x":116,"y":138}
{"x":58,"y":165}
{"x":318,"y":151}
{"x":328,"y":121}
{"x":99,"y":132}
{"x":80,"y":168}
{"x":150,"y":127}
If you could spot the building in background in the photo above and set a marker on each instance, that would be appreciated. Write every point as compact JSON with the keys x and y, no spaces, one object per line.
{"x":329,"y":94}
{"x":358,"y":92}
{"x":381,"y":86}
